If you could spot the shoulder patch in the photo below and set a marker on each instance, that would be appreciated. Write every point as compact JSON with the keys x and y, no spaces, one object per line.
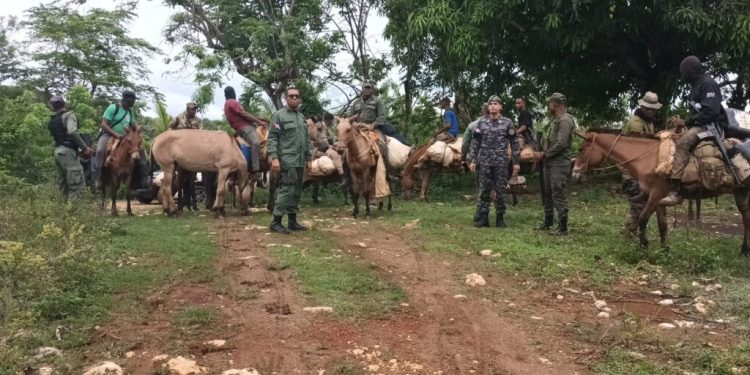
{"x":511,"y":131}
{"x":277,"y":125}
{"x":710,"y":95}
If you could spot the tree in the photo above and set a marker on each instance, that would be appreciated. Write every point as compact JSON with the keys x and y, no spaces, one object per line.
{"x":92,"y":49}
{"x":271,"y":43}
{"x":593,"y":51}
{"x":24,"y":140}
{"x":8,"y":52}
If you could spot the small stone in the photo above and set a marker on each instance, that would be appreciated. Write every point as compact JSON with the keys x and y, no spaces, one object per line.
{"x":656,"y":292}
{"x":216,"y":343}
{"x":537,"y":318}
{"x":636,"y":355}
{"x":129,"y":354}
{"x":590,"y":293}
{"x":607,"y":309}
{"x":713,"y":287}
{"x":475,"y":279}
{"x":684,"y":324}
{"x":560,"y":297}
{"x":701,"y":308}
{"x":738,"y":370}
{"x":373,"y":368}
{"x":318,"y":309}
{"x":47,"y":351}
{"x":404,"y":305}
{"x":666,"y":326}
{"x":600,"y":304}
{"x":674,"y":287}
{"x":160,"y":358}
{"x":544,"y":361}
{"x":460,"y":296}
{"x":184,"y":366}
{"x":603,"y":315}
{"x":244,"y":371}
{"x":105,"y":368}
{"x":362,"y":245}
{"x":574,"y":291}
{"x":485,"y":253}
{"x":695,"y":284}
{"x":666,"y":302}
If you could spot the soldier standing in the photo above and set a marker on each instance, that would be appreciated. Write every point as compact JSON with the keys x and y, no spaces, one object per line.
{"x":489,"y":145}
{"x":557,"y":164}
{"x":187,"y":120}
{"x":466,"y":146}
{"x":63,"y":126}
{"x":289,"y":149}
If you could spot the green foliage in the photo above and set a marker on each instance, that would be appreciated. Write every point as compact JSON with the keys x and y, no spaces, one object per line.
{"x":79,"y":101}
{"x":8,"y":51}
{"x":272,"y":44}
{"x":24,"y":139}
{"x":424,"y":117}
{"x":92,"y":49}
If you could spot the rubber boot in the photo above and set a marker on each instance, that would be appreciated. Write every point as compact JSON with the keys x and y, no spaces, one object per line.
{"x":500,"y":220}
{"x":547,"y":225}
{"x":294,"y":225}
{"x":482,"y":221}
{"x":562,"y":230}
{"x":673,"y":198}
{"x":277,"y":227}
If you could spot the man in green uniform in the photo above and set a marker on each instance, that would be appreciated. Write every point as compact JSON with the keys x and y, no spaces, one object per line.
{"x":289,"y":149}
{"x":63,"y":127}
{"x":642,"y":122}
{"x":557,"y":164}
{"x":369,"y":109}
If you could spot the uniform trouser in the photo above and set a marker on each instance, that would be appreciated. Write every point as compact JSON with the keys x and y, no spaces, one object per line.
{"x":684,"y":145}
{"x":476,"y":186}
{"x":70,"y":172}
{"x":101,"y":151}
{"x":556,"y":190}
{"x":250,"y":135}
{"x":634,"y":212}
{"x":491,"y":177}
{"x":290,"y":191}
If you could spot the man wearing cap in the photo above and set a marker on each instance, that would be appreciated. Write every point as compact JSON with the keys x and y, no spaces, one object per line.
{"x":449,"y":131}
{"x":557,"y":165}
{"x":63,"y":126}
{"x":642,"y":122}
{"x":489,"y":145}
{"x":187,"y":119}
{"x":290,"y":152}
{"x":244,"y":124}
{"x":369,"y":110}
{"x":705,"y":109}
{"x":115,"y":119}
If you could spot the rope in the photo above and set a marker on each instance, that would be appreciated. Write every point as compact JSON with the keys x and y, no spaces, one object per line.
{"x":625,"y":162}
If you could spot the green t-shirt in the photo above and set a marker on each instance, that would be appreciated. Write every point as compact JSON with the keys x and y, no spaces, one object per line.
{"x":119,"y":116}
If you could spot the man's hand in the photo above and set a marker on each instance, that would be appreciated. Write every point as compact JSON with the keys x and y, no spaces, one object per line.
{"x":87,"y":152}
{"x":516,"y":169}
{"x":275,"y":166}
{"x":473,"y":167}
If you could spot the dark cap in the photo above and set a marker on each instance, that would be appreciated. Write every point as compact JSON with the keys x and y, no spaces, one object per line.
{"x":556,"y":97}
{"x":368,"y":83}
{"x":57,"y":101}
{"x":192,"y":105}
{"x":445,"y":100}
{"x":494,"y":98}
{"x":128,"y":94}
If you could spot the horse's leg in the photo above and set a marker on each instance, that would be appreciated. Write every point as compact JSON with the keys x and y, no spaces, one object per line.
{"x":741,"y":199}
{"x":221,"y":189}
{"x":128,"y":196}
{"x":390,"y":202}
{"x":698,"y":208}
{"x":648,"y":210}
{"x":426,"y":172}
{"x":661,"y":220}
{"x":167,"y":197}
{"x":115,"y":184}
{"x":355,"y":203}
{"x":316,"y":192}
{"x":690,"y":214}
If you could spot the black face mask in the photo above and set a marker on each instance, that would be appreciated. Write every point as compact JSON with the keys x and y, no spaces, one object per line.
{"x":691,"y":69}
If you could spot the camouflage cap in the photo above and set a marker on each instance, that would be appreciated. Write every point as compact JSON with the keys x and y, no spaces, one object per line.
{"x":494,"y":98}
{"x":556,"y":97}
{"x":368,"y":83}
{"x":192,"y":105}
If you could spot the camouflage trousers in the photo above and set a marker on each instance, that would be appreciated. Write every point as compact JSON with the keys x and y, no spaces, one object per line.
{"x":683,"y":147}
{"x":491,"y":178}
{"x":69,"y":171}
{"x":556,"y":190}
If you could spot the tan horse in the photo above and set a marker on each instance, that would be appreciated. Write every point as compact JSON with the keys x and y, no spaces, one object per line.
{"x":200,"y":151}
{"x":119,"y":168}
{"x":426,"y":170}
{"x":360,"y":164}
{"x":640,"y":156}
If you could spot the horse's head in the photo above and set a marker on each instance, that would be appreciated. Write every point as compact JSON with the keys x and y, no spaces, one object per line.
{"x":131,"y":145}
{"x":588,"y":156}
{"x":344,"y":129}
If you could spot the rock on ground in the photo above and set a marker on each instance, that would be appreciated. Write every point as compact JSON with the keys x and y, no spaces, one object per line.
{"x":106,"y":368}
{"x":318,"y":309}
{"x":184,"y":366}
{"x":600,"y":304}
{"x":666,"y":326}
{"x":160,"y":358}
{"x":603,"y":315}
{"x":47,"y":351}
{"x":216,"y":343}
{"x":475,"y":279}
{"x":485,"y":253}
{"x":244,"y":371}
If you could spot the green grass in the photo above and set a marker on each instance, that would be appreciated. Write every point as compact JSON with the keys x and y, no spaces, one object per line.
{"x":194,"y":316}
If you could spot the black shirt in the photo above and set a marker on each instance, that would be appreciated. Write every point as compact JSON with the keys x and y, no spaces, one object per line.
{"x":524,"y":118}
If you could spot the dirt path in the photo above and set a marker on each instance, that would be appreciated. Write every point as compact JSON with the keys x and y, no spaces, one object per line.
{"x":260,"y":315}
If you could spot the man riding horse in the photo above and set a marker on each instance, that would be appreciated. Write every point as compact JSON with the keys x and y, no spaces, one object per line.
{"x":370,"y":111}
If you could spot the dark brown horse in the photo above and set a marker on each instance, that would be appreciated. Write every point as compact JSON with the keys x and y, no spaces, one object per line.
{"x":640,"y":156}
{"x":361,"y":160}
{"x":119,"y":168}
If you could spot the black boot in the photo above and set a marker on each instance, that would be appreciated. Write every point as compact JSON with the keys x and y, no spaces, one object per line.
{"x":631,"y":187}
{"x":294,"y":225}
{"x":483,"y":221}
{"x":673,"y":198}
{"x":500,"y":220}
{"x":562,"y":230}
{"x":547,"y":225}
{"x":277,"y":227}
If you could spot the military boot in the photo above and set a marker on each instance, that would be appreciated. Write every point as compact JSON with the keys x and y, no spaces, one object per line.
{"x":277,"y":227}
{"x":294,"y":225}
{"x":673,"y":198}
{"x":500,"y":220}
{"x":562,"y":229}
{"x":547,"y":224}
{"x":483,"y":221}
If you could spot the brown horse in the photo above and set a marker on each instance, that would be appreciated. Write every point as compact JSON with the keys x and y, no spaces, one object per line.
{"x":200,"y":151}
{"x":360,"y":164}
{"x":119,"y":168}
{"x":640,"y":156}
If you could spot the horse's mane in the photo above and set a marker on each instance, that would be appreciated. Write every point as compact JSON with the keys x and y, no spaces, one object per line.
{"x":618,"y":132}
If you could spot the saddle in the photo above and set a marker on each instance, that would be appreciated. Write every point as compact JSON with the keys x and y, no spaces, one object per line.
{"x":371,"y":135}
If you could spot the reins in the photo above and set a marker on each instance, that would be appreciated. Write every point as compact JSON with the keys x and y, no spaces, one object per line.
{"x":609,"y":153}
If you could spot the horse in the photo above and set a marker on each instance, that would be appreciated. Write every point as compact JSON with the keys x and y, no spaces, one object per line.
{"x":320,"y":141}
{"x":197,"y":150}
{"x":639,"y":154}
{"x":361,"y":160}
{"x":119,"y":167}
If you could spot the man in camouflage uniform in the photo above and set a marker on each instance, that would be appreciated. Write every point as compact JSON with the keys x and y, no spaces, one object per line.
{"x":642,"y":122}
{"x":187,"y":119}
{"x":557,"y":164}
{"x":369,"y":110}
{"x":63,"y":127}
{"x":489,"y":149}
{"x":289,"y":150}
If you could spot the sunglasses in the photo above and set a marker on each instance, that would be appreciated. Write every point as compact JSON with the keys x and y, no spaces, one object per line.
{"x":293,"y":96}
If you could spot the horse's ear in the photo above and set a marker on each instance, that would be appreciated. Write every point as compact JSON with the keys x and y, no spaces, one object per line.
{"x":128,"y":130}
{"x":581,"y":134}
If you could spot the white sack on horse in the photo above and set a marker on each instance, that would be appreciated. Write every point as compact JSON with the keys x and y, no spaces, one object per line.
{"x":322,"y":166}
{"x":445,"y":154}
{"x":398,"y":152}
